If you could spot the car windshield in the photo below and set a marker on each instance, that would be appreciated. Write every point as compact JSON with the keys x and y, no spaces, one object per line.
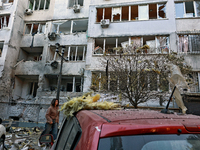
{"x":151,"y":142}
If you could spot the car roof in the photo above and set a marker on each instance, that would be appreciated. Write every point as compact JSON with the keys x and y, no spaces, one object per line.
{"x":97,"y":124}
{"x":137,"y":114}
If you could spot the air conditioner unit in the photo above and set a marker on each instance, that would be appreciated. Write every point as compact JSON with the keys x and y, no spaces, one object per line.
{"x":76,"y":8}
{"x":52,"y":36}
{"x":1,"y":5}
{"x":28,"y":11}
{"x":105,"y":23}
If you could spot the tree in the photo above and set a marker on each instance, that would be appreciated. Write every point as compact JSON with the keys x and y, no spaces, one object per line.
{"x":137,"y":75}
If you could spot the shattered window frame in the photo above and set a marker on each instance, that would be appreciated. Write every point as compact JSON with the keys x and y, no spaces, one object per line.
{"x":189,"y":43}
{"x":115,"y":14}
{"x":36,"y":4}
{"x":29,"y":28}
{"x":4,"y":21}
{"x":76,"y":53}
{"x":186,"y":11}
{"x":161,"y":44}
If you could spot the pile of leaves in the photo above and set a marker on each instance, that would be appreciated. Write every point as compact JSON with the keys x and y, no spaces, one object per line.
{"x":87,"y":102}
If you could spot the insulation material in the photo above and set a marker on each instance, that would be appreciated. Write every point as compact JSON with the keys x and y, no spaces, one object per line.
{"x":86,"y":102}
{"x":177,"y":80}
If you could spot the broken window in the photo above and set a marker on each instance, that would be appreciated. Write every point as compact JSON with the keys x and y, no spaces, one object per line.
{"x":125,"y":13}
{"x":68,"y":83}
{"x":116,"y":14}
{"x":25,"y":87}
{"x":136,"y":41}
{"x":4,"y":21}
{"x":1,"y":48}
{"x":75,"y":2}
{"x":189,"y":9}
{"x":110,"y":45}
{"x":99,"y":81}
{"x":31,"y":54}
{"x":198,"y":8}
{"x":39,"y":4}
{"x":80,"y":26}
{"x":33,"y":88}
{"x":143,"y":12}
{"x":152,"y":80}
{"x":134,"y":12}
{"x":163,"y":44}
{"x":99,"y":14}
{"x":34,"y":28}
{"x":108,"y":13}
{"x":64,"y":28}
{"x":183,"y":43}
{"x":194,"y":43}
{"x":99,"y":46}
{"x":161,"y":10}
{"x":151,"y":42}
{"x":186,"y":9}
{"x":152,"y":11}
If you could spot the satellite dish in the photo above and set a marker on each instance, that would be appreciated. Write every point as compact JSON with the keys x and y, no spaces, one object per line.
{"x":4,"y":1}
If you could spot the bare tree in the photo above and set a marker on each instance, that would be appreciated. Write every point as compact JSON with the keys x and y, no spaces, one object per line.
{"x":137,"y":75}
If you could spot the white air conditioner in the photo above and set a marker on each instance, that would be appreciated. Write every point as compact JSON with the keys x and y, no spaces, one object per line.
{"x":105,"y":23}
{"x":1,"y":5}
{"x":28,"y":11}
{"x":76,"y":8}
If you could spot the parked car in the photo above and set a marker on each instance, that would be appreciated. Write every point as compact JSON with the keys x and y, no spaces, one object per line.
{"x":128,"y":129}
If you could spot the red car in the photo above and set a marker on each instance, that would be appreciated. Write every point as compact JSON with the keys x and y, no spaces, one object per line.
{"x":129,"y":130}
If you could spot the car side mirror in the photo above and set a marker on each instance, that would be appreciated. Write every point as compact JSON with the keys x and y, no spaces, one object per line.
{"x":46,"y":139}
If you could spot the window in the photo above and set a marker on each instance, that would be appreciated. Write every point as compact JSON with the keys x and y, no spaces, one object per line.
{"x":68,"y":83}
{"x":73,"y":53}
{"x":31,"y":54}
{"x":143,"y":12}
{"x":75,"y":2}
{"x":33,"y":88}
{"x":4,"y":21}
{"x":189,"y":43}
{"x":151,"y":142}
{"x":134,"y":12}
{"x":39,"y":4}
{"x":35,"y":28}
{"x":187,"y":9}
{"x":1,"y":48}
{"x":70,"y":26}
{"x":157,"y":44}
{"x":69,"y":134}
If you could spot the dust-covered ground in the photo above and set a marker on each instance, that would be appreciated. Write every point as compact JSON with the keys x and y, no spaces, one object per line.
{"x":23,"y":138}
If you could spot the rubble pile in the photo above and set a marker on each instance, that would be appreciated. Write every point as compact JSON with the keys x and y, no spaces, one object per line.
{"x":23,"y":138}
{"x":86,"y":102}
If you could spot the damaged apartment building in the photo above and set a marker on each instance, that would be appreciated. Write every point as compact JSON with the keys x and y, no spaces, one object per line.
{"x":33,"y":34}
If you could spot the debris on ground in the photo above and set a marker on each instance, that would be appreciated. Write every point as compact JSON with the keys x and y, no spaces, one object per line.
{"x":23,"y":138}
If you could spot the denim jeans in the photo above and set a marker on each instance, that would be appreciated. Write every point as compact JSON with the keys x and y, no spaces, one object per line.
{"x":51,"y":128}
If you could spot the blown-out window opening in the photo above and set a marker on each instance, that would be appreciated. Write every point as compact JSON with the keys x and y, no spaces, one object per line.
{"x":187,"y":9}
{"x":114,"y":46}
{"x":4,"y":21}
{"x":131,"y":13}
{"x":189,"y":43}
{"x":35,"y":28}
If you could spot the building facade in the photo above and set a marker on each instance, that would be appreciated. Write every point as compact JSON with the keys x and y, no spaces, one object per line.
{"x":85,"y":30}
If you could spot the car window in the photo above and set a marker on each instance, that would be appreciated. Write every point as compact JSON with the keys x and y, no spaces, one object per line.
{"x":69,"y":134}
{"x":151,"y":142}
